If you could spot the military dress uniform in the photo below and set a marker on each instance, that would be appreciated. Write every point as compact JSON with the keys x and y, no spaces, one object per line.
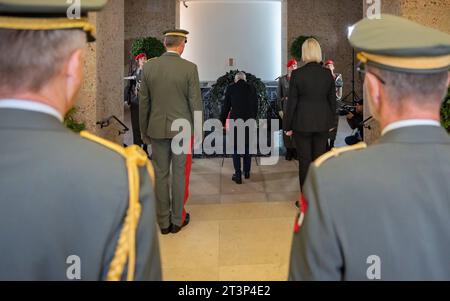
{"x":385,"y":206}
{"x":66,"y":196}
{"x":283,"y":94}
{"x":170,"y":90}
{"x":133,"y":95}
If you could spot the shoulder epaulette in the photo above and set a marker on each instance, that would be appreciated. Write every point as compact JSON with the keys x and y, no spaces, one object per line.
{"x":125,"y":251}
{"x":336,"y":152}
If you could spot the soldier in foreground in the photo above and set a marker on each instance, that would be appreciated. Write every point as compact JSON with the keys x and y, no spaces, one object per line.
{"x":382,"y":212}
{"x":72,"y":207}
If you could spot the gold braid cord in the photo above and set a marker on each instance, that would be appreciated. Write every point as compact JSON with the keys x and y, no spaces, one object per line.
{"x":125,"y":252}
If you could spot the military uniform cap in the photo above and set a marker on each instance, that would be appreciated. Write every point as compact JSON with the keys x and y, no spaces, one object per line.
{"x":48,"y":15}
{"x":176,"y":33}
{"x":397,"y":44}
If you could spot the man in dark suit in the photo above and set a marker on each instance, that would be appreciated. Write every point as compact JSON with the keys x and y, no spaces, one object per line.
{"x":242,"y":102}
{"x":311,"y":107}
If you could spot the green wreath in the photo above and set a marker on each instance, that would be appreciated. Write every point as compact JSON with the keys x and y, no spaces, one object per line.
{"x":152,"y":47}
{"x":218,"y":91}
{"x":296,"y":46}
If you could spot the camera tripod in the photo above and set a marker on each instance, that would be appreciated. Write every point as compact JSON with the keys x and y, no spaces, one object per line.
{"x":353,"y":92}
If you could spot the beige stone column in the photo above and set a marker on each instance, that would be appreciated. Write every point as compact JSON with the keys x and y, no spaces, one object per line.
{"x":102,"y":93}
{"x":429,"y":13}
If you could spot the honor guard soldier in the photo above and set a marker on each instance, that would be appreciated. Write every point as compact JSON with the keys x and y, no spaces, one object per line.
{"x":383,"y":212}
{"x":283,"y":94}
{"x":132,"y":91}
{"x":170,"y":91}
{"x":339,"y":82}
{"x":72,"y":207}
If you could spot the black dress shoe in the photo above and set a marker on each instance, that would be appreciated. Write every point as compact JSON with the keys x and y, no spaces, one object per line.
{"x":166,"y":231}
{"x":294,"y":154}
{"x":247,"y":175}
{"x":176,"y":229}
{"x":237,"y":178}
{"x":297,"y":204}
{"x":289,"y":155}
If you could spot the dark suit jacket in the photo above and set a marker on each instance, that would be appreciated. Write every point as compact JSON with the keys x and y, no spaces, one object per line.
{"x":63,"y":195}
{"x":311,"y":104}
{"x":241,"y":100}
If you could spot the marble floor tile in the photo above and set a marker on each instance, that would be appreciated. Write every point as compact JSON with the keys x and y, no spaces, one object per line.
{"x":281,"y":166}
{"x":255,"y":241}
{"x":206,"y":166}
{"x":205,"y":199}
{"x":242,"y":211}
{"x":191,"y":274}
{"x":205,"y":184}
{"x":244,"y":197}
{"x":281,"y":182}
{"x":248,"y":186}
{"x":257,"y":272}
{"x":195,"y":247}
{"x":284,"y":196}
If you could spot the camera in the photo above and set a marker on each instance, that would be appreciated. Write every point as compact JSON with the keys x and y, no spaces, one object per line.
{"x":346,"y":109}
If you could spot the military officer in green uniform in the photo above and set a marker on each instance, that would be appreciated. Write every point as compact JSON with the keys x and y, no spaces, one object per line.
{"x":170,"y":91}
{"x":72,"y":207}
{"x":383,"y":212}
{"x":283,"y":93}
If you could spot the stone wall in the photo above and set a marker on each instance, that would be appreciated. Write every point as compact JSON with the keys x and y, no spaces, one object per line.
{"x":102,"y":93}
{"x":328,"y":21}
{"x":144,"y":18}
{"x":429,"y":13}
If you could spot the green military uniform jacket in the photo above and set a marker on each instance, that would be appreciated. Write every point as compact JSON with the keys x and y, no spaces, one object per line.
{"x":391,"y":200}
{"x":170,"y":90}
{"x":63,"y":195}
{"x":283,"y":92}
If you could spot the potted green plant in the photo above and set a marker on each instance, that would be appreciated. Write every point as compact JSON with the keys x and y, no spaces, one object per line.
{"x":151,"y":46}
{"x":71,"y":123}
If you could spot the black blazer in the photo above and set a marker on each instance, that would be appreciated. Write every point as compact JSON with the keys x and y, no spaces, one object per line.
{"x":241,"y":100}
{"x":311,"y":104}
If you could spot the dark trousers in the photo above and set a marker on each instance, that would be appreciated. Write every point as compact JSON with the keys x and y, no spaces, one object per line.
{"x":246,"y":156}
{"x":310,"y":146}
{"x":134,"y":109}
{"x":237,"y":163}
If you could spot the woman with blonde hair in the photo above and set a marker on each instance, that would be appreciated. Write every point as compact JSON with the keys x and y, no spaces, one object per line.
{"x":311,"y":107}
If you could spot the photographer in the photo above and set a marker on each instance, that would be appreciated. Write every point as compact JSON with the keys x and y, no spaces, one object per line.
{"x":355,"y":117}
{"x":132,"y":98}
{"x":339,"y":82}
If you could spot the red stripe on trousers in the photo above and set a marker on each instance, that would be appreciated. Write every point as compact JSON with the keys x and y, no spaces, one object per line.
{"x":187,"y":173}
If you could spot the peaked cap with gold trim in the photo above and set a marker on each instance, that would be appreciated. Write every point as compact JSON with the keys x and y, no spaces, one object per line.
{"x":397,"y":44}
{"x":176,"y":33}
{"x":49,"y":15}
